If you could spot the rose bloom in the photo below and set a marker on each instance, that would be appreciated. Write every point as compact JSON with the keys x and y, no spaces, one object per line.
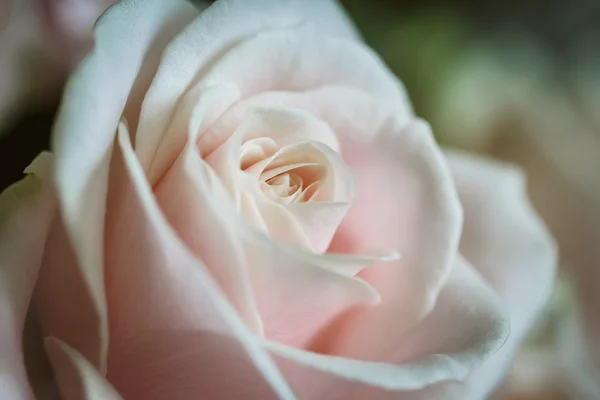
{"x":518,"y":113}
{"x":240,"y":203}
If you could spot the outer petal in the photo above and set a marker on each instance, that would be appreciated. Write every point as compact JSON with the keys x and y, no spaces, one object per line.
{"x":465,"y":327}
{"x":173,"y":334}
{"x":406,"y":203}
{"x":77,"y":378}
{"x":358,"y":118}
{"x":26,"y":210}
{"x":509,"y":245}
{"x":128,"y":35}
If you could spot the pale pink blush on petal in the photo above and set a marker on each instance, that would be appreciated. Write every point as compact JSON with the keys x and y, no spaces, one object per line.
{"x":26,"y":211}
{"x":94,"y":100}
{"x":328,"y":63}
{"x":280,"y":277}
{"x":221,"y":26}
{"x":63,"y":304}
{"x":196,"y":213}
{"x":77,"y":378}
{"x":465,"y":327}
{"x":406,"y":203}
{"x":167,"y":315}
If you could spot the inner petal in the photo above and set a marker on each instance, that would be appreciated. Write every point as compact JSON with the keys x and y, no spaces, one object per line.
{"x":255,"y":150}
{"x":272,"y":159}
{"x":289,"y":182}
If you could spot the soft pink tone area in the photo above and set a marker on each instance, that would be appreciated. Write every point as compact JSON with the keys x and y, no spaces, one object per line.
{"x":247,"y":207}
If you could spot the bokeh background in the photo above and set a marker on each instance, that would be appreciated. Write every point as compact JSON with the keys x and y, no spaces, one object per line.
{"x":515,"y":80}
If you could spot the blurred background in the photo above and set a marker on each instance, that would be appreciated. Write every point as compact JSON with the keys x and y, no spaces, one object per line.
{"x":518,"y":81}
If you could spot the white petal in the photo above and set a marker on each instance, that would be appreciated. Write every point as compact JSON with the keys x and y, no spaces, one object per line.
{"x":220,"y":27}
{"x":26,"y":211}
{"x":93,"y":102}
{"x":77,"y":378}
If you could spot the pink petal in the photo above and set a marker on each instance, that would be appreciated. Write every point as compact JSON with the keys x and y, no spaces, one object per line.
{"x":220,"y":27}
{"x":465,"y":327}
{"x":326,"y":60}
{"x":26,"y":210}
{"x":37,"y":364}
{"x":281,"y":277}
{"x":190,"y":201}
{"x":285,"y":125}
{"x":63,"y":303}
{"x":406,"y":204}
{"x":297,"y":292}
{"x":299,"y":138}
{"x":77,"y":378}
{"x":96,"y":96}
{"x":173,"y":334}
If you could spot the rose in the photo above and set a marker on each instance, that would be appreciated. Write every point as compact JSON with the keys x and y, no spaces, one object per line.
{"x":550,"y":131}
{"x":40,"y":41}
{"x":237,"y":236}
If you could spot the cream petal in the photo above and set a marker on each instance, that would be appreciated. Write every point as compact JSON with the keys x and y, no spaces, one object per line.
{"x":283,"y":276}
{"x":407,"y":203}
{"x":165,"y":307}
{"x":352,"y":113}
{"x":465,"y":327}
{"x":283,"y":125}
{"x":37,"y":363}
{"x":319,"y":221}
{"x":219,"y":28}
{"x":326,"y":60}
{"x":126,"y":36}
{"x":26,"y":211}
{"x":298,"y":224}
{"x":295,"y":292}
{"x":281,"y":225}
{"x":205,"y":106}
{"x":509,"y":245}
{"x":63,"y":303}
{"x":190,"y":200}
{"x":77,"y":378}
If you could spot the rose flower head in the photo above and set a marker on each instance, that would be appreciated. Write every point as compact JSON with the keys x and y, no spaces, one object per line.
{"x":240,"y":203}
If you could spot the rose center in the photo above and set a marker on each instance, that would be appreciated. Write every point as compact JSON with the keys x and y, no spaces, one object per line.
{"x":284,"y":174}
